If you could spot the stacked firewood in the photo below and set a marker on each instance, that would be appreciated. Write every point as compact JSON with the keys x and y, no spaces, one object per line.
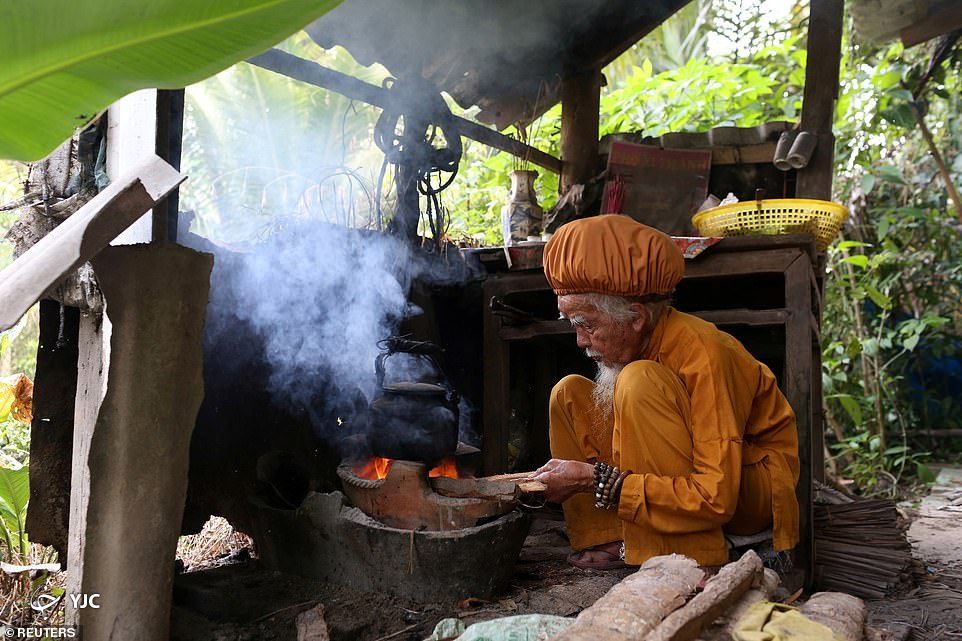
{"x":861,"y":548}
{"x":656,"y":604}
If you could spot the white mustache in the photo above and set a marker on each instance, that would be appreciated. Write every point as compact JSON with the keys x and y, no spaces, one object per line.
{"x":590,"y":353}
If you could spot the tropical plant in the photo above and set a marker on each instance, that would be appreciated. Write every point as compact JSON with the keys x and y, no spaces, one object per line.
{"x":64,"y":62}
{"x":14,"y":497}
{"x":295,"y":150}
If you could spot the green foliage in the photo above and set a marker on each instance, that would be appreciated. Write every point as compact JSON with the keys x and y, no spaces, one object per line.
{"x":704,"y":94}
{"x":892,"y":292}
{"x":89,"y":54}
{"x":14,"y":497}
{"x":873,"y":467}
{"x":260,"y":147}
{"x":679,"y":93}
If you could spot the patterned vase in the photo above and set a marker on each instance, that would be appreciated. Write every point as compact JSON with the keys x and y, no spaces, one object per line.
{"x":521,"y":217}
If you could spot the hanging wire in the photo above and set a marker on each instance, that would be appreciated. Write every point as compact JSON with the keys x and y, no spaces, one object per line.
{"x":416,"y":129}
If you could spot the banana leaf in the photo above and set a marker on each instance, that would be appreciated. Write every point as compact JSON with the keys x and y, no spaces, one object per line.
{"x":65,"y":61}
{"x":14,"y":496}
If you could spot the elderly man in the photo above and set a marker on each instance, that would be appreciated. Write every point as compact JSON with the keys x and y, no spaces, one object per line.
{"x":682,"y":435}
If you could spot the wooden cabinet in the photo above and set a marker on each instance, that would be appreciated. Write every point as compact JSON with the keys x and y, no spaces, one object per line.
{"x":762,"y":290}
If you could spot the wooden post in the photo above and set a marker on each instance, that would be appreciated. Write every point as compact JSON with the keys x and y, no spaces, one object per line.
{"x":821,"y":92}
{"x":580,"y":102}
{"x":143,"y":124}
{"x":168,"y":142}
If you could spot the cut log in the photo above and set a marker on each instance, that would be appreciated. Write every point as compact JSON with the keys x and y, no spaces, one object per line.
{"x":843,"y":613}
{"x":762,"y":590}
{"x":721,"y":592}
{"x":631,"y":609}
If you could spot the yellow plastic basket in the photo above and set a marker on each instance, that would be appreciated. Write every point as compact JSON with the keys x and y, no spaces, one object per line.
{"x":820,"y":218}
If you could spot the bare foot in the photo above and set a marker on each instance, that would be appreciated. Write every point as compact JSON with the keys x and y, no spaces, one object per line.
{"x":606,"y":556}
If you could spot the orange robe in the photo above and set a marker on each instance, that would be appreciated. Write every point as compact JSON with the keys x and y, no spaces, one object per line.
{"x":709,"y":437}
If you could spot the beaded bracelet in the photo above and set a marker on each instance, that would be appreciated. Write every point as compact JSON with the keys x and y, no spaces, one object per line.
{"x":608,"y":482}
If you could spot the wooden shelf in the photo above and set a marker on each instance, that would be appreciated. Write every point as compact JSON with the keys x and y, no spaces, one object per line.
{"x":721,"y":317}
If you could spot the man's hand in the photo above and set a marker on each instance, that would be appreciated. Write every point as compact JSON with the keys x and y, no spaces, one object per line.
{"x":563,"y":479}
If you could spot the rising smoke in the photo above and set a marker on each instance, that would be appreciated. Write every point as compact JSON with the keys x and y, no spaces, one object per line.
{"x":318,"y":297}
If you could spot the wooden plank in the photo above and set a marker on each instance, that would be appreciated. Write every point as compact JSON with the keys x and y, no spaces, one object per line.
{"x":773,"y":261}
{"x":580,"y":102}
{"x":750,"y":317}
{"x":797,"y":386}
{"x":743,"y":155}
{"x":940,"y":21}
{"x":83,"y":234}
{"x":821,"y":92}
{"x":496,"y":373}
{"x":312,"y":73}
{"x":92,"y":364}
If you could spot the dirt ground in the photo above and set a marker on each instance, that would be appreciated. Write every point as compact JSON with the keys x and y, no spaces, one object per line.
{"x":246,"y":602}
{"x":933,"y":610}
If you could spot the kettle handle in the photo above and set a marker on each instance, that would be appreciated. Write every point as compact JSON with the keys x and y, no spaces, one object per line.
{"x":400,"y":345}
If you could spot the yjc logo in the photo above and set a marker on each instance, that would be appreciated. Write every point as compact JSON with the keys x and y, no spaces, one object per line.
{"x":80,"y":601}
{"x":43,"y":603}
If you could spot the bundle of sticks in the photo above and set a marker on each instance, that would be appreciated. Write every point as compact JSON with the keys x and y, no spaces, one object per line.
{"x":860,"y":548}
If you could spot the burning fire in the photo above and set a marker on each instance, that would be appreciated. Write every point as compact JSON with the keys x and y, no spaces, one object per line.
{"x":447,"y":467}
{"x":377,"y":468}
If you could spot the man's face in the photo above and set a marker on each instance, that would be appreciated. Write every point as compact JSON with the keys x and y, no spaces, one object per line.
{"x":607,"y":341}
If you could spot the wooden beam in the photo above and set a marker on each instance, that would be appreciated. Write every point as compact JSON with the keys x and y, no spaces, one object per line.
{"x":821,"y":92}
{"x":169,"y":141}
{"x":319,"y":76}
{"x":580,"y":102}
{"x":938,"y":22}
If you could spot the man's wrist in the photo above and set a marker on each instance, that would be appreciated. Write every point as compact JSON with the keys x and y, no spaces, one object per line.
{"x":587,"y":483}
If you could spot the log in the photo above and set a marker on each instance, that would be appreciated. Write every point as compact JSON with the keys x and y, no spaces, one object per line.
{"x":631,"y":609}
{"x":843,"y":613}
{"x":721,"y":592}
{"x":762,"y":590}
{"x":486,"y":488}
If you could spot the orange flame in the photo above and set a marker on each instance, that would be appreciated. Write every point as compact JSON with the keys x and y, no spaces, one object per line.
{"x":447,"y":467}
{"x":375,"y":469}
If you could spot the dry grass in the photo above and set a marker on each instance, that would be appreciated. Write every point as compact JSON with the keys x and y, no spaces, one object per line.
{"x":19,"y":590}
{"x":214,"y":545}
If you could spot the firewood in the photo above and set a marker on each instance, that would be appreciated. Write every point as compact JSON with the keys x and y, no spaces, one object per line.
{"x":721,"y":592}
{"x":631,"y":609}
{"x":763,"y":589}
{"x":843,"y":613}
{"x":490,"y":487}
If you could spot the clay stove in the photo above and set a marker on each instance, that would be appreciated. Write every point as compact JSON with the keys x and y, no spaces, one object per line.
{"x":398,"y":535}
{"x":407,"y":497}
{"x":402,"y":526}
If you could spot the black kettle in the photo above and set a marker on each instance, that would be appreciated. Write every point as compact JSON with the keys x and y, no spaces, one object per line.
{"x":415,"y":416}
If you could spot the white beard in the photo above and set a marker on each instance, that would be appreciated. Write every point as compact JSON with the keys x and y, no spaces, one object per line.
{"x":603,"y":393}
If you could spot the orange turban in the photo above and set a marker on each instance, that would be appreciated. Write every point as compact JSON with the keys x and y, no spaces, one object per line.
{"x":612,"y":254}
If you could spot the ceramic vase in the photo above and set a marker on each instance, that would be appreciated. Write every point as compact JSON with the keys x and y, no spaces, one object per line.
{"x":521,"y":217}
